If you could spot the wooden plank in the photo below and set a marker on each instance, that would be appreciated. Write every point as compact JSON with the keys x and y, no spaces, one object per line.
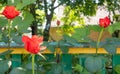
{"x":74,"y":50}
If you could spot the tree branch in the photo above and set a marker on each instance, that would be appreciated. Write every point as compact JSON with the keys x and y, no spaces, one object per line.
{"x":45,"y":8}
{"x":53,"y":2}
{"x":57,"y":5}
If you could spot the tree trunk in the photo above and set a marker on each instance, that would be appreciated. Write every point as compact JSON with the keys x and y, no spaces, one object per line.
{"x":34,"y":28}
{"x":47,"y":29}
{"x":34,"y":23}
{"x":49,"y":17}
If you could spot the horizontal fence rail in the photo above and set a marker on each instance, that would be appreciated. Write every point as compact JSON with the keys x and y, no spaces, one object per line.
{"x":73,"y":50}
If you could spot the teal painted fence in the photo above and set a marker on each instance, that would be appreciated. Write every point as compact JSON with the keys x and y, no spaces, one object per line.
{"x":67,"y":59}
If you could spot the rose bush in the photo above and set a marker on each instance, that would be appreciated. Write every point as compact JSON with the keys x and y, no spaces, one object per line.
{"x":12,"y":26}
{"x":95,"y":61}
{"x":32,"y":45}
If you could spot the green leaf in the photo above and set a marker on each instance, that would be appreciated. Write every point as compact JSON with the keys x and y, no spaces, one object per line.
{"x":85,"y":72}
{"x":19,"y":6}
{"x":3,"y":21}
{"x":23,"y":24}
{"x":28,"y":18}
{"x":51,"y":48}
{"x":114,"y":41}
{"x":67,"y":72}
{"x":17,"y":21}
{"x":112,"y":28}
{"x":64,"y":49}
{"x":24,"y":3}
{"x":0,"y":37}
{"x":81,"y":34}
{"x":95,"y":28}
{"x":69,"y":39}
{"x":52,"y":45}
{"x":78,"y":67}
{"x":17,"y":39}
{"x":13,"y":2}
{"x":6,"y":52}
{"x":27,"y":2}
{"x":27,"y":21}
{"x":117,"y":68}
{"x":29,"y":66}
{"x":4,"y":65}
{"x":18,"y":70}
{"x":4,"y":38}
{"x":111,"y":44}
{"x":110,"y":48}
{"x":45,"y":43}
{"x":62,"y":42}
{"x":93,"y":64}
{"x":36,"y":72}
{"x":56,"y":69}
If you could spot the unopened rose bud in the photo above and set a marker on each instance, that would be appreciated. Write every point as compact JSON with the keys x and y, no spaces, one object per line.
{"x":58,"y":22}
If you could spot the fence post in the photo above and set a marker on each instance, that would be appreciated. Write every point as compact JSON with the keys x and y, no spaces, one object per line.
{"x":67,"y":63}
{"x":16,"y":60}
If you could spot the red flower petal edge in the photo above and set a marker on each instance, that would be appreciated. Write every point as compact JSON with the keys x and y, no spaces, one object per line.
{"x":32,"y":45}
{"x":10,"y":12}
{"x":104,"y":22}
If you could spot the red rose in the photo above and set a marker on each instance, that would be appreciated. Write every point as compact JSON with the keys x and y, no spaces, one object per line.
{"x":104,"y":22}
{"x":58,"y":22}
{"x":10,"y":12}
{"x":32,"y":45}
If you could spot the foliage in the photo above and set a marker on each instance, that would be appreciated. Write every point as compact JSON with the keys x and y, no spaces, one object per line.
{"x":6,"y":52}
{"x":18,"y":70}
{"x":80,"y":35}
{"x":63,"y":44}
{"x":40,"y":16}
{"x":88,"y":8}
{"x":4,"y":66}
{"x":20,"y":4}
{"x":71,"y":19}
{"x":18,"y":26}
{"x":78,"y":68}
{"x":114,"y":27}
{"x":117,"y":68}
{"x":85,"y":6}
{"x":93,"y":64}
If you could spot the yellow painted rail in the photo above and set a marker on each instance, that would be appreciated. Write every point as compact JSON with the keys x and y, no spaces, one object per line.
{"x":74,"y":50}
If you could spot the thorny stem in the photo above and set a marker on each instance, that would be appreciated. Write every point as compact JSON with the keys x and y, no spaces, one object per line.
{"x":33,"y":62}
{"x":9,"y":30}
{"x":9,"y":40}
{"x":98,"y":41}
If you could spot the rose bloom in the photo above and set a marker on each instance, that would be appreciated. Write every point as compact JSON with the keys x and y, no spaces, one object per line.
{"x":104,"y":22}
{"x":58,"y":22}
{"x":10,"y":12}
{"x":32,"y":44}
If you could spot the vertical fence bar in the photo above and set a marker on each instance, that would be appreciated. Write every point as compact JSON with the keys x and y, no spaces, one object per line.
{"x":67,"y":63}
{"x":16,"y":60}
{"x":115,"y":61}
